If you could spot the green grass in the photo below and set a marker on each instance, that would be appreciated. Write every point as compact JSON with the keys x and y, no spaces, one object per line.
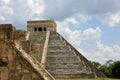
{"x":90,"y":79}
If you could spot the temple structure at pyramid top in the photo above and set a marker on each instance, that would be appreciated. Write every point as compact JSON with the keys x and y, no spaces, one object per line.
{"x":42,"y":25}
{"x":40,"y":53}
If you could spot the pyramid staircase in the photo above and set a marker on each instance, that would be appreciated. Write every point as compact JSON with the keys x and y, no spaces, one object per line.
{"x":62,"y":61}
{"x":37,"y":38}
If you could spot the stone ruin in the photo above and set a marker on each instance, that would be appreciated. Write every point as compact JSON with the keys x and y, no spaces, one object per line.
{"x":40,"y":53}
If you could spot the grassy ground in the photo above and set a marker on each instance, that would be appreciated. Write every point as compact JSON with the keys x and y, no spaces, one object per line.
{"x":90,"y":79}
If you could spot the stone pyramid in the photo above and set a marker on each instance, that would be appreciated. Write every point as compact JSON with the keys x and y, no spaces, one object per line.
{"x":41,"y":53}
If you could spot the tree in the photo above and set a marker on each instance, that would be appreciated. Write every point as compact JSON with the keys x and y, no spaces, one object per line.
{"x":106,"y":70}
{"x":116,"y":69}
{"x":111,"y":68}
{"x":96,"y":64}
{"x":109,"y":62}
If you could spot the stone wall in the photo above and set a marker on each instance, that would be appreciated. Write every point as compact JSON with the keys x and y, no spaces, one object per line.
{"x":21,"y":35}
{"x":6,"y":32}
{"x":14,"y":67}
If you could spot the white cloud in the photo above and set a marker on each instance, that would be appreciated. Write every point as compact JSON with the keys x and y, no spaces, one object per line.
{"x":89,"y":43}
{"x":67,"y":12}
{"x":111,"y":19}
{"x":19,"y":11}
{"x":6,"y":1}
{"x":6,"y":10}
{"x":36,"y":7}
{"x":65,"y":9}
{"x":77,"y":19}
{"x":60,"y":10}
{"x":5,"y":13}
{"x":115,"y":19}
{"x":94,"y":33}
{"x":94,"y":48}
{"x":2,"y":18}
{"x":72,"y":20}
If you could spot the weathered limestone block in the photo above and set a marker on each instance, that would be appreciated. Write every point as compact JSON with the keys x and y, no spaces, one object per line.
{"x":18,"y":66}
{"x":21,"y":35}
{"x":2,"y":54}
{"x":26,"y":45}
{"x":2,"y":36}
{"x":10,"y":56}
{"x":11,"y":65}
{"x":4,"y":73}
{"x":26,"y":76}
{"x":6,"y":32}
{"x":35,"y":47}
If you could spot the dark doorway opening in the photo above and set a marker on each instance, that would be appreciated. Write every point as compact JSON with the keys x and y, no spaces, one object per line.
{"x":44,"y":29}
{"x":35,"y":29}
{"x":39,"y":29}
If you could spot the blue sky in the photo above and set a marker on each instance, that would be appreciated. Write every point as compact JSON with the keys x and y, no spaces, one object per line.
{"x":92,"y":26}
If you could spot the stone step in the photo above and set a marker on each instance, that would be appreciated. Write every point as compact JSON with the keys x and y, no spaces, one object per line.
{"x":56,"y":51}
{"x":37,"y":41}
{"x":38,"y":32}
{"x":49,"y":50}
{"x":65,"y":66}
{"x":67,"y":62}
{"x":38,"y":38}
{"x":59,"y":48}
{"x":35,"y":36}
{"x":62,"y":59}
{"x":81,"y":75}
{"x":68,"y":71}
{"x":56,"y":41}
{"x":56,"y":44}
{"x":55,"y":37}
{"x":60,"y":54}
{"x":68,"y":68}
{"x":53,"y":33}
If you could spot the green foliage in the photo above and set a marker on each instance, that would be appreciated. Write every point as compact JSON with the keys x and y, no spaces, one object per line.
{"x":96,"y":64}
{"x":116,"y":69}
{"x":106,"y":70}
{"x":109,"y":63}
{"x":111,"y":68}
